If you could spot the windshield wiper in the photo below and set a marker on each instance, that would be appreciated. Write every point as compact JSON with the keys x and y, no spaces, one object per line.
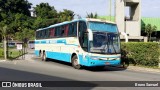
{"x":114,"y":48}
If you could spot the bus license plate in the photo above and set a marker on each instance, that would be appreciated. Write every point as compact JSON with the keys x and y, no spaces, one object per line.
{"x":107,"y":63}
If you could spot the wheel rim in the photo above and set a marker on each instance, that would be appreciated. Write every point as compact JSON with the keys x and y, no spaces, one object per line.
{"x":41,"y":55}
{"x":76,"y":62}
{"x":44,"y":57}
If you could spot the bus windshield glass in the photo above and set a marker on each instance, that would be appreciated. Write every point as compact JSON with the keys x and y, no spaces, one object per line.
{"x":105,"y":43}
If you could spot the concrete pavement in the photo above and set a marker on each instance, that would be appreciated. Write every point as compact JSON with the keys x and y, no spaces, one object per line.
{"x":33,"y":69}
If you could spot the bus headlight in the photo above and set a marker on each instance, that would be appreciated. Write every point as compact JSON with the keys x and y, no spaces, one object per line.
{"x":94,"y":58}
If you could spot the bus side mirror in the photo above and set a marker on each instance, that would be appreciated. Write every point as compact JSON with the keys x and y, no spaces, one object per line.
{"x":90,"y":35}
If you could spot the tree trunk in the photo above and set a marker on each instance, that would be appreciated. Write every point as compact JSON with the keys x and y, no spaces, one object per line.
{"x":150,"y":37}
{"x":5,"y":48}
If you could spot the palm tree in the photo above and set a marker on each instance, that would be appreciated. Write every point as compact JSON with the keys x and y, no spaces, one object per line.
{"x":91,"y":15}
{"x":149,"y":29}
{"x":3,"y":33}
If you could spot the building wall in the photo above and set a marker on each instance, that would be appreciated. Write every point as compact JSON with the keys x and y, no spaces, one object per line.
{"x":131,"y":26}
{"x":120,"y":15}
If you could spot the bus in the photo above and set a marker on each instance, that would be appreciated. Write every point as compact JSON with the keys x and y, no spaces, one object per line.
{"x":81,"y":42}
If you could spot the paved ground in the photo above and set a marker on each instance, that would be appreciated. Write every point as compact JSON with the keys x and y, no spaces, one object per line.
{"x":33,"y":69}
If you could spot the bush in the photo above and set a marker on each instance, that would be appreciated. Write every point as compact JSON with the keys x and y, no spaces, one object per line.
{"x":141,"y":53}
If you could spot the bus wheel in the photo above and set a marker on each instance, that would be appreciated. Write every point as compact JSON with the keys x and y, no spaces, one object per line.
{"x":125,"y":64}
{"x":75,"y":62}
{"x":40,"y":54}
{"x":44,"y":58}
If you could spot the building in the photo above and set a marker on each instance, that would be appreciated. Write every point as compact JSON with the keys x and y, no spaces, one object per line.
{"x":154,"y":22}
{"x":131,"y":25}
{"x":32,"y":12}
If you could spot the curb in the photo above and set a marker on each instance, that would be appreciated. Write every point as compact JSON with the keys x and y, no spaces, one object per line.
{"x":143,"y":69}
{"x":2,"y":60}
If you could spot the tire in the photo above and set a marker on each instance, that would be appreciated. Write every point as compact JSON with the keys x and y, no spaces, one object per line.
{"x":125,"y":64}
{"x":40,"y":54}
{"x":44,"y":58}
{"x":75,"y":63}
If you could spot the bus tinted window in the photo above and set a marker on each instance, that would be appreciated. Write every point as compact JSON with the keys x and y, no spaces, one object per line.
{"x":46,"y":33}
{"x":66,"y":30}
{"x":82,"y":28}
{"x":58,"y":30}
{"x":52,"y":33}
{"x":37,"y":34}
{"x":73,"y":29}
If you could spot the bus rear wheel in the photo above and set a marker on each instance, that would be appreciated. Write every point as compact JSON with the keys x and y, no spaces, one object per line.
{"x":40,"y":54}
{"x":44,"y":58}
{"x":75,"y":62}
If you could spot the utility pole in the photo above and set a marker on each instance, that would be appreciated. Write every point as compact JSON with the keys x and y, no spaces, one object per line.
{"x":110,"y":9}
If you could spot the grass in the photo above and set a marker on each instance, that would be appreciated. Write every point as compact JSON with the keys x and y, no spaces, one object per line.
{"x":13,"y":53}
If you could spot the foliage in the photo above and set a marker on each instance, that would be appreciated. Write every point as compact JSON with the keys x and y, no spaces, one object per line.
{"x":91,"y":15}
{"x":4,"y":31}
{"x":15,"y":6}
{"x":66,"y":15}
{"x":25,"y":33}
{"x":140,"y":53}
{"x":44,"y":10}
{"x":47,"y":15}
{"x":12,"y":54}
{"x":149,"y":29}
{"x":16,"y":15}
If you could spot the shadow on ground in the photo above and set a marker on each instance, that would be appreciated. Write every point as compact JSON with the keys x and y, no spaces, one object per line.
{"x":7,"y":74}
{"x":94,"y":69}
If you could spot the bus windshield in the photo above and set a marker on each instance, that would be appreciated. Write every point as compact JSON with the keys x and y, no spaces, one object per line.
{"x":105,"y":43}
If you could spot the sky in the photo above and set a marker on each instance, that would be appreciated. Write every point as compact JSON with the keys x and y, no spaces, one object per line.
{"x":150,"y":8}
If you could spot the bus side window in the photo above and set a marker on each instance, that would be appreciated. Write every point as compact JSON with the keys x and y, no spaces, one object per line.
{"x":37,"y":35}
{"x":75,"y":29}
{"x":56,"y":31}
{"x":52,"y":32}
{"x":72,"y":29}
{"x":63,"y":30}
{"x":47,"y":33}
{"x":41,"y":34}
{"x":66,"y":30}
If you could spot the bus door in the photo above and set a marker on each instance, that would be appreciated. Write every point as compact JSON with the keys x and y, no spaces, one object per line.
{"x":83,"y":36}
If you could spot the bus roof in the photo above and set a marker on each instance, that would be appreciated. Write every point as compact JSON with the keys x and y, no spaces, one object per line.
{"x":99,"y":20}
{"x":75,"y":20}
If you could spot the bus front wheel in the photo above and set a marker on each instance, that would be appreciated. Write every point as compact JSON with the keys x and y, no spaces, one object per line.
{"x":75,"y":62}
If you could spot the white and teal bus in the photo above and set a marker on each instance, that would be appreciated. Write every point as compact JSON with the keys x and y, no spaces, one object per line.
{"x":82,"y":42}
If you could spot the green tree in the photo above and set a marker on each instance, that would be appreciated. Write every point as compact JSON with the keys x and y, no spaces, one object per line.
{"x":25,"y":33}
{"x":3,"y":33}
{"x":21,"y":20}
{"x":66,"y":15}
{"x":91,"y":15}
{"x":44,"y":10}
{"x":15,"y":6}
{"x":15,"y":14}
{"x":149,"y":29}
